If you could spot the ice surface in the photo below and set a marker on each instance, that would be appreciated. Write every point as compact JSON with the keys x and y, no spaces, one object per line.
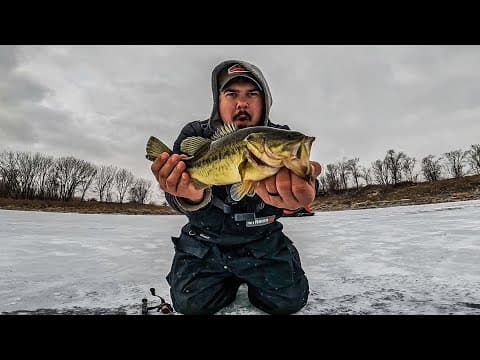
{"x":422,"y":259}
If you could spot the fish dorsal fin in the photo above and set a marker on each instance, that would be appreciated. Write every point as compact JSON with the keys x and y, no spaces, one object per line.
{"x":192,"y":144}
{"x":224,"y":131}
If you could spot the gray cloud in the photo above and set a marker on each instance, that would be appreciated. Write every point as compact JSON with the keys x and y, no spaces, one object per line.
{"x":20,"y":116}
{"x":101,"y":103}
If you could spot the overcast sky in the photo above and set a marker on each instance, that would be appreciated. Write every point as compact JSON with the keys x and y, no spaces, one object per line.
{"x":101,"y":103}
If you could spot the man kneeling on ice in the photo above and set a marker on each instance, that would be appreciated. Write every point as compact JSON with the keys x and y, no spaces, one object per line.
{"x":227,"y":243}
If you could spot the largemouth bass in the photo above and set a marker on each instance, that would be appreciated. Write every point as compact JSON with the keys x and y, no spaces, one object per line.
{"x":241,"y":157}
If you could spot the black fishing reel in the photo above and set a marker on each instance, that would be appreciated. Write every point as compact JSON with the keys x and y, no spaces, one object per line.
{"x":164,"y":307}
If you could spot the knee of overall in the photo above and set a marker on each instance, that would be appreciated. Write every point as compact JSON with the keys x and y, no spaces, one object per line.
{"x":190,"y":306}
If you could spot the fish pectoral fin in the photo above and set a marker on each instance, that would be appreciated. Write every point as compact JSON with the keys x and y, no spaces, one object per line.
{"x":239,"y":190}
{"x":251,"y":192}
{"x":155,"y":147}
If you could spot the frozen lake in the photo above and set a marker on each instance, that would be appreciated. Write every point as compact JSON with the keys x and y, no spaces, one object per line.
{"x":422,"y":259}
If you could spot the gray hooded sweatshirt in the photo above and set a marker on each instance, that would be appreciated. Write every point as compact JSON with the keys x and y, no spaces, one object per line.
{"x":206,"y":128}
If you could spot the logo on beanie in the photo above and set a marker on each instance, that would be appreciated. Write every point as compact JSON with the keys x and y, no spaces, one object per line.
{"x":235,"y":69}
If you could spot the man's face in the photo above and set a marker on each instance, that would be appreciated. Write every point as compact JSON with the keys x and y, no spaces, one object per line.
{"x":241,"y":103}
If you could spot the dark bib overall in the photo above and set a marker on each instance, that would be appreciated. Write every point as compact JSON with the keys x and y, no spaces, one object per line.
{"x":224,"y":246}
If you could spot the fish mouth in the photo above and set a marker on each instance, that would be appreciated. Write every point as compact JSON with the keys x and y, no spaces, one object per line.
{"x":297,"y":146}
{"x":295,"y":150}
{"x":306,"y":144}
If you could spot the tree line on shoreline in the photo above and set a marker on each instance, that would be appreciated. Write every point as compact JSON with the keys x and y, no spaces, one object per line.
{"x":397,"y":167}
{"x":24,"y":175}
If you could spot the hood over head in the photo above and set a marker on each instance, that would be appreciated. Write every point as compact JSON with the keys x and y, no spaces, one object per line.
{"x":228,"y":70}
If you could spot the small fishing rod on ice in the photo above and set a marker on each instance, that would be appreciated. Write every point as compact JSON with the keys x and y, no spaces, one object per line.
{"x":164,"y":307}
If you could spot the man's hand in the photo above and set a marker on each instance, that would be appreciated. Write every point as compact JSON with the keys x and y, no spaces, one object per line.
{"x":286,"y":190}
{"x":173,"y":179}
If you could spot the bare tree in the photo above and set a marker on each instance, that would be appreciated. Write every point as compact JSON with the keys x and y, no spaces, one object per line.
{"x":343,"y":172}
{"x":45,"y":165}
{"x":139,"y":191}
{"x":354,"y":169}
{"x":333,"y":177}
{"x":26,"y":174}
{"x":52,"y":183}
{"x":71,"y":174}
{"x":366,"y":174}
{"x":64,"y":167}
{"x":9,"y":173}
{"x":454,"y":162}
{"x":29,"y":176}
{"x":123,"y":180}
{"x":380,"y":172}
{"x":408,"y":167}
{"x":3,"y":187}
{"x":89,"y":172}
{"x":431,"y":168}
{"x":323,"y":182}
{"x":393,"y":162}
{"x":473,"y":157}
{"x":104,"y":181}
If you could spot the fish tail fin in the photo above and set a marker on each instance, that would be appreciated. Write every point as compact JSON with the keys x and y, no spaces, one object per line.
{"x":155,"y":147}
